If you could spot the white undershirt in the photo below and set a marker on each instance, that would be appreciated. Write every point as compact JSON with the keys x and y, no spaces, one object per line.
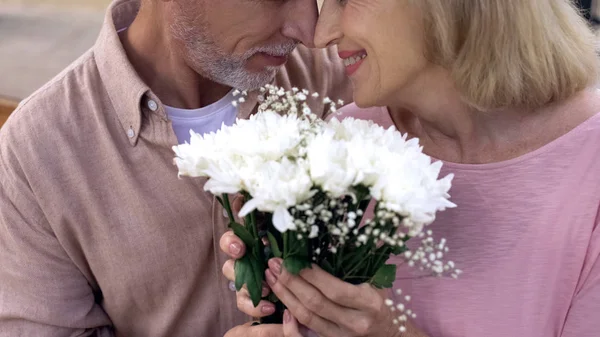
{"x":204,"y":120}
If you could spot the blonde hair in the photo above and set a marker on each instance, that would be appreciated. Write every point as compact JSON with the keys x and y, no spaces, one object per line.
{"x":506,"y":53}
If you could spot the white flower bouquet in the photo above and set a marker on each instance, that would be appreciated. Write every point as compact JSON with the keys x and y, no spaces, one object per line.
{"x":310,"y":183}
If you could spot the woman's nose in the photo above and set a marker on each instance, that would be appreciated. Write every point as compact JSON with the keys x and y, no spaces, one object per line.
{"x":328,"y":31}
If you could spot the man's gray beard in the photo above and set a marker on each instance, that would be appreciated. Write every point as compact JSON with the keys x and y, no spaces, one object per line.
{"x":208,"y":60}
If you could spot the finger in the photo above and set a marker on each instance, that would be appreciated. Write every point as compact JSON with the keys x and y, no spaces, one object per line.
{"x":229,"y":272}
{"x":311,"y":298}
{"x":232,"y":245}
{"x":263,"y":330}
{"x":291,"y":327}
{"x":245,"y":305}
{"x":304,"y":315}
{"x":340,"y":292}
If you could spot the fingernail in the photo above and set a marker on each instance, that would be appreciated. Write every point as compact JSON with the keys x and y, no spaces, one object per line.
{"x":265,"y":291}
{"x":286,"y":316}
{"x":275,"y":265}
{"x":271,"y":279}
{"x":235,"y":248}
{"x":267,"y":309}
{"x":255,"y":323}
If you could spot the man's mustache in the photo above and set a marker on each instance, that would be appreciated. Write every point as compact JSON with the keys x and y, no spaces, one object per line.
{"x":274,"y":50}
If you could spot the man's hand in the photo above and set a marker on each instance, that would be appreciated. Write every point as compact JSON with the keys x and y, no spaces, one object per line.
{"x":234,"y":247}
{"x":263,"y":330}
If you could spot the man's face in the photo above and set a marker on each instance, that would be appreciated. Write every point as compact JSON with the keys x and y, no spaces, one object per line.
{"x":241,"y":43}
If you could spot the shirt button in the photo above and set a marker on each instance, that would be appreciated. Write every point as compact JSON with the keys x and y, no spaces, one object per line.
{"x":152,"y":105}
{"x":225,"y":213}
{"x":232,"y":286}
{"x":130,"y":133}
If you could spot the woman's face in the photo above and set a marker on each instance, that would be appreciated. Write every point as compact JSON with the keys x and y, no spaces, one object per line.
{"x":381,"y":43}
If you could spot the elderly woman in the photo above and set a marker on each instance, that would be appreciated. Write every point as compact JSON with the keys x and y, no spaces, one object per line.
{"x":503,"y":93}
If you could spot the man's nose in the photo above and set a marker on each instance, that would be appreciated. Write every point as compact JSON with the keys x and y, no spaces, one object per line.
{"x":301,"y":21}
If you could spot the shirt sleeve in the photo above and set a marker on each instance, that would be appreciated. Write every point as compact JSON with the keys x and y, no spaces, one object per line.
{"x":583,"y":319}
{"x":42,"y":292}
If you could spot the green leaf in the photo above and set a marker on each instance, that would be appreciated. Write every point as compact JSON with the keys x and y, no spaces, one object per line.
{"x":362,"y":192}
{"x":296,"y":247}
{"x":295,"y":264}
{"x":255,"y":291}
{"x":274,"y":245}
{"x":326,"y":265}
{"x":248,"y":271}
{"x":378,"y":260}
{"x":385,"y":276}
{"x":243,"y":233}
{"x":242,"y":271}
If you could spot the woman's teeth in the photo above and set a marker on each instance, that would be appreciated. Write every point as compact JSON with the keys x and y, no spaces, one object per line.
{"x":352,"y":60}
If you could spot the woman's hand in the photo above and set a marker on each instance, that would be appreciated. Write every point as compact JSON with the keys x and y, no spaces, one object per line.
{"x":331,"y":307}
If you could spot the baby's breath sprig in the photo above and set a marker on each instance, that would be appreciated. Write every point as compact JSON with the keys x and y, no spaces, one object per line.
{"x":402,"y":308}
{"x":429,"y":256}
{"x":293,"y":101}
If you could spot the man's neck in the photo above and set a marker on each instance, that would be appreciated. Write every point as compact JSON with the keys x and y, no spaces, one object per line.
{"x":159,"y":63}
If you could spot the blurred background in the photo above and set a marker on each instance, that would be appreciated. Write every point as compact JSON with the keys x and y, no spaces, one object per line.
{"x":39,"y":38}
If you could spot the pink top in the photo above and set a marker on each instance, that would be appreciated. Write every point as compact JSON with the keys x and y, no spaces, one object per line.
{"x":526,"y":235}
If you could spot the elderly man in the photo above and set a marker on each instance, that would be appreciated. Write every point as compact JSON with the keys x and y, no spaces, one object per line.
{"x":98,"y":236}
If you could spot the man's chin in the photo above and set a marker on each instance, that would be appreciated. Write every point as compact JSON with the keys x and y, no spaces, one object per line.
{"x":254,"y":81}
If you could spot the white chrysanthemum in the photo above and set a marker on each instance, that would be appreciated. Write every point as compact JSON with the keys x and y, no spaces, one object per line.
{"x":230,"y":155}
{"x":348,"y":153}
{"x":328,"y":164}
{"x":203,"y":157}
{"x":268,"y":135}
{"x":394,"y":168}
{"x":276,"y":186}
{"x":278,"y":159}
{"x":342,"y":155}
{"x":351,"y":128}
{"x":408,"y":184}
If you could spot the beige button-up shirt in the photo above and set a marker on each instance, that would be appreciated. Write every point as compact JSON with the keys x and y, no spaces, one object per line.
{"x":98,"y":236}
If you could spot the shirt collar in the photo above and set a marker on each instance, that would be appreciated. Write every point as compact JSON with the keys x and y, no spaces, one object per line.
{"x":127,"y":91}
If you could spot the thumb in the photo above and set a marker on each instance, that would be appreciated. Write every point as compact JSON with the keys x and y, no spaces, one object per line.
{"x":249,"y":330}
{"x":291,"y":327}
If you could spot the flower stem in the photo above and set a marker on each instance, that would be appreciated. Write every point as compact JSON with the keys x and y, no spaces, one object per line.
{"x":286,"y":245}
{"x":359,"y":264}
{"x":227,"y":205}
{"x":253,"y":224}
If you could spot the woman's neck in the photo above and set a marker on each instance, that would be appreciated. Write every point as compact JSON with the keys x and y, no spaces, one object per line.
{"x":451,"y":130}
